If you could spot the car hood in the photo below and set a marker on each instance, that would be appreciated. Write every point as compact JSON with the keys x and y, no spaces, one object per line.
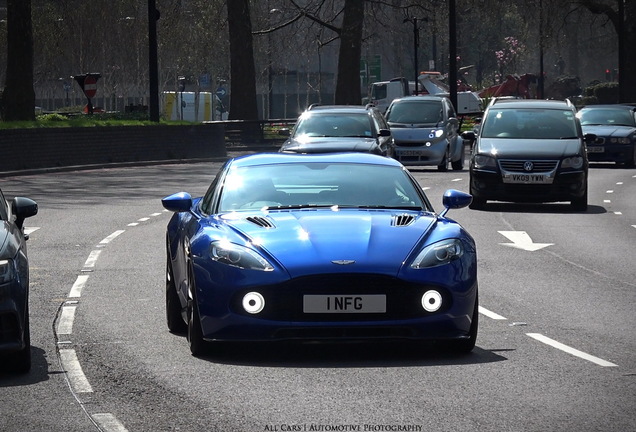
{"x":330,"y":145}
{"x":530,"y":148}
{"x":609,"y":131}
{"x":324,"y":240}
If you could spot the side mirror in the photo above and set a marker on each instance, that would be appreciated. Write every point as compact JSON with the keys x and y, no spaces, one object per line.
{"x":469,"y":135}
{"x":384,"y":132}
{"x":23,"y":208}
{"x":284,"y":132}
{"x":590,"y":138}
{"x":454,"y":199}
{"x":179,"y":202}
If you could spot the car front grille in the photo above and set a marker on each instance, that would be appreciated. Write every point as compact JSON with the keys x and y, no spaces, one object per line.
{"x":518,"y":165}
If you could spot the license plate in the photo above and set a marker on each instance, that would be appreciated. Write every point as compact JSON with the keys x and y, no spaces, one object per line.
{"x":527,"y":178}
{"x":369,"y":303}
{"x":596,"y":149}
{"x":409,"y":153}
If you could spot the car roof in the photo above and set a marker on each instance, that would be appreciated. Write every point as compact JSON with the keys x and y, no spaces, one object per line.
{"x":339,"y":108}
{"x":607,"y":106}
{"x":421,"y":98}
{"x":531,"y":103}
{"x":258,"y":159}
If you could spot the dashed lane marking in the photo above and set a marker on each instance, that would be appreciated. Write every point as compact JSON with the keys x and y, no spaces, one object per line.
{"x":558,"y":345}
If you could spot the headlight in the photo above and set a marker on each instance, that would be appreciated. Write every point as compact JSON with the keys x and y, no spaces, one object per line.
{"x":575,"y":162}
{"x":438,"y":133}
{"x":623,"y":140}
{"x":485,"y":162}
{"x":7,"y":271}
{"x":238,"y":256}
{"x":439,"y":253}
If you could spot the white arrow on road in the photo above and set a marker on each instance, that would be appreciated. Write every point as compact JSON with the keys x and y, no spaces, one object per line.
{"x":521,"y":240}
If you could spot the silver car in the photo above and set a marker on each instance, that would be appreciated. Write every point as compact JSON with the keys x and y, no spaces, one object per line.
{"x":425,"y":131}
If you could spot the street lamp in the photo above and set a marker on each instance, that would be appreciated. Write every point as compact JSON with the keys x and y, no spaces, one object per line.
{"x":416,"y":37}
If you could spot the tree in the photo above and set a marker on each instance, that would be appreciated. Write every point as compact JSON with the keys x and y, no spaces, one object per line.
{"x":19,"y":96}
{"x":242,"y":70}
{"x":626,"y":28}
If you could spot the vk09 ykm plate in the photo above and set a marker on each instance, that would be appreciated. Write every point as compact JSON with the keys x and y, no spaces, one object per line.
{"x":369,"y":303}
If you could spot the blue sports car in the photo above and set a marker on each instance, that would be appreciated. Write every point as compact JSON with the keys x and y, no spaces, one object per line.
{"x":318,"y":247}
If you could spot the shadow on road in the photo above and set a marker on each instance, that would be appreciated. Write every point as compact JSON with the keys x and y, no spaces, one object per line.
{"x":344,"y":355}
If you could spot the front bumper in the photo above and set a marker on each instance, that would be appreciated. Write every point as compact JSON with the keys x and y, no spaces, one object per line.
{"x":565,"y":187}
{"x":620,"y":153}
{"x":420,"y":153}
{"x":223,"y":317}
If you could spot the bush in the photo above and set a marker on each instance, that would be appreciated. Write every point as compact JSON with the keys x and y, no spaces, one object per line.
{"x":603,"y":93}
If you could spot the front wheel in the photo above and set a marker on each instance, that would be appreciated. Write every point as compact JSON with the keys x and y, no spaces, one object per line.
{"x":174,"y":320}
{"x":580,"y":204}
{"x":195,"y":332}
{"x":20,"y":362}
{"x":443,"y":166}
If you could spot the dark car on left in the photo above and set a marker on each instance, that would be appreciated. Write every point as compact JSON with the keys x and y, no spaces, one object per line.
{"x":15,"y":339}
{"x":339,"y":128}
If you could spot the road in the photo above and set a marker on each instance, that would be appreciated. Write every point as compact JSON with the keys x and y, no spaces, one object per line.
{"x":555,"y":351}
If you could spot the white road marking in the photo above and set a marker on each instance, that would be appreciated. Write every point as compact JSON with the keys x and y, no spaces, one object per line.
{"x":65,"y":323}
{"x":619,"y":183}
{"x":456,"y":180}
{"x":111,"y":237}
{"x":618,"y":213}
{"x":607,"y":201}
{"x":156,"y":214}
{"x":558,"y":345}
{"x":521,"y":240}
{"x":29,"y":230}
{"x":108,"y":422}
{"x":78,"y":286}
{"x":609,"y":191}
{"x":77,"y":379}
{"x":144,"y":219}
{"x":133,"y":224}
{"x":490,"y":314}
{"x":92,"y":258}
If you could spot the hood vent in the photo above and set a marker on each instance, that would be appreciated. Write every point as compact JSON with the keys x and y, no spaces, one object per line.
{"x":261,"y":221}
{"x":402,"y":220}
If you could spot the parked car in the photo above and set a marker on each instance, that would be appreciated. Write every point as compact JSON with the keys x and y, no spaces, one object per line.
{"x":529,"y":151}
{"x":425,"y":131}
{"x":318,"y":247}
{"x":339,"y":128}
{"x":15,"y":338}
{"x":615,"y":130}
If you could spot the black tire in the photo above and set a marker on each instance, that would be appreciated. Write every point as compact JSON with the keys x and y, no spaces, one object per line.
{"x":465,"y":346}
{"x":20,"y":362}
{"x":458,"y":165}
{"x":174,"y":319}
{"x":580,"y":204}
{"x":443,"y":166}
{"x":195,"y":333}
{"x":632,"y":162}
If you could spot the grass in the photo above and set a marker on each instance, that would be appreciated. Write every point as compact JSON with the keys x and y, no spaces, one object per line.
{"x":83,"y":120}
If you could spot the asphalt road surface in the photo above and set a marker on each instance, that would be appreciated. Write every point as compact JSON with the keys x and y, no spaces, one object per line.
{"x":555,"y":351}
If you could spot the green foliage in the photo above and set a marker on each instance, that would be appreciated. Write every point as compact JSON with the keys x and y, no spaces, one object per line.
{"x":602,"y":93}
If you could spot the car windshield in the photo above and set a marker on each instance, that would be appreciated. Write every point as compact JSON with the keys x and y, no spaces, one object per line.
{"x":420,"y":112}
{"x":529,"y":123}
{"x":607,"y":116}
{"x":334,"y":125}
{"x":300,"y":185}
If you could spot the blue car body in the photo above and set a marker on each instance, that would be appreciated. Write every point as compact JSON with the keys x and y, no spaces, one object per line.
{"x":319,"y":270}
